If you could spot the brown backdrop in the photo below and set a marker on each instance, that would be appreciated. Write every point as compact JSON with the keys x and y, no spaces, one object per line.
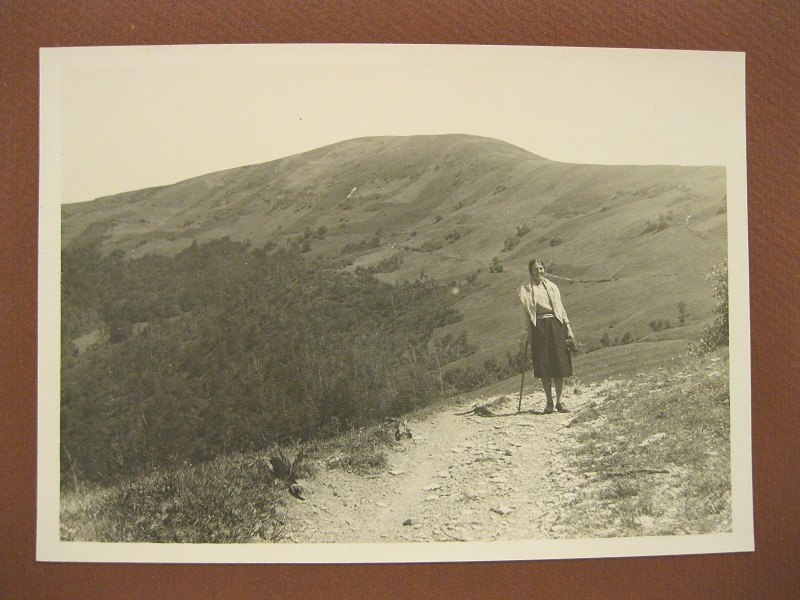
{"x":766,"y":31}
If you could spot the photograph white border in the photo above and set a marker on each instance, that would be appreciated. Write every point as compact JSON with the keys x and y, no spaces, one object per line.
{"x":58,"y":63}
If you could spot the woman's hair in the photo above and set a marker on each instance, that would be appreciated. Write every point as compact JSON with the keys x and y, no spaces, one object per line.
{"x":534,"y":262}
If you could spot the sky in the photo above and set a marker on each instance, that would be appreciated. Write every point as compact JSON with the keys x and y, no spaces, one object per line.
{"x":121,"y":119}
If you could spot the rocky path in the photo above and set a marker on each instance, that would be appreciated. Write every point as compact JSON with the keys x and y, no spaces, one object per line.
{"x":461,"y":478}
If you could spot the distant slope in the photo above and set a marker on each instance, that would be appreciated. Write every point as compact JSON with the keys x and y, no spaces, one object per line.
{"x":358,"y":182}
{"x":627,"y":243}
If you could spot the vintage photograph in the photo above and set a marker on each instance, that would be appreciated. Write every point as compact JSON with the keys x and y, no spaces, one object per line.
{"x":362,"y":303}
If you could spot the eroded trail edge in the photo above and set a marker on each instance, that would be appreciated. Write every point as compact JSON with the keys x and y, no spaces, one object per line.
{"x":461,"y":478}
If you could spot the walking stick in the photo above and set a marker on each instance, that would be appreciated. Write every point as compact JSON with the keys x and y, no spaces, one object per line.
{"x":524,"y":365}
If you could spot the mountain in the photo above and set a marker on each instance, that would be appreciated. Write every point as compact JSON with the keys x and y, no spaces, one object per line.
{"x":626,"y":244}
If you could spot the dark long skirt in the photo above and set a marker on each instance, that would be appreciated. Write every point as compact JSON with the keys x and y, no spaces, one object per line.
{"x":551,"y":359}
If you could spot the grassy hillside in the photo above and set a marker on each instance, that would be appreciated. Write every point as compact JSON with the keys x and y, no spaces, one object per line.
{"x":296,"y":299}
{"x":651,"y":455}
{"x":654,"y":456}
{"x":626,"y":244}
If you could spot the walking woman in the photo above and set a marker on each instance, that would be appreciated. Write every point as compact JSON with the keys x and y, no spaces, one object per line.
{"x":548,"y":331}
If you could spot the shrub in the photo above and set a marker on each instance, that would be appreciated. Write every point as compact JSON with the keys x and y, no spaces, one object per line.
{"x":365,"y":244}
{"x":660,"y":324}
{"x":663,"y":222}
{"x":466,"y":378}
{"x":556,"y":241}
{"x":387,"y":265}
{"x":431,"y":246}
{"x":450,"y":348}
{"x":716,"y":334}
{"x":285,"y":468}
{"x":453,"y":236}
{"x":496,"y":266}
{"x":510,"y":243}
{"x":683,"y":312}
{"x":522,"y":230}
{"x":359,"y":450}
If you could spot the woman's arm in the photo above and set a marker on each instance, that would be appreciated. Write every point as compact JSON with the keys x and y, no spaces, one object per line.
{"x":565,"y":318}
{"x":524,"y":298}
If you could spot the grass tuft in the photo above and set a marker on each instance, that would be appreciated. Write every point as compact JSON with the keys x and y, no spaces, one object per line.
{"x":359,"y":450}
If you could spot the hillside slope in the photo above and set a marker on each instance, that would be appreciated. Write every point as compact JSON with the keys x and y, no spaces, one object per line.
{"x":625,"y":243}
{"x":626,"y":462}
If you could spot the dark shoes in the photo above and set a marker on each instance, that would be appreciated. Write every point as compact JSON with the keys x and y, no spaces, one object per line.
{"x":561,"y":408}
{"x":548,"y":409}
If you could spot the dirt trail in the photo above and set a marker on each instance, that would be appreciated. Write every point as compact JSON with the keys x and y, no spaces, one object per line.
{"x":461,"y":477}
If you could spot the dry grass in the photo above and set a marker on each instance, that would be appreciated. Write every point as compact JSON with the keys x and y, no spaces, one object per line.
{"x":233,"y":499}
{"x":361,"y":451}
{"x":655,"y":456}
{"x":229,"y":500}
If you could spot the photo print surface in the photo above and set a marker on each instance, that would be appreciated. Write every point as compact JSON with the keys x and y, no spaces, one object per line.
{"x":356,"y":303}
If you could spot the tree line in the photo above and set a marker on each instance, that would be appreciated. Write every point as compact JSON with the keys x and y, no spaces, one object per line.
{"x":227,"y":348}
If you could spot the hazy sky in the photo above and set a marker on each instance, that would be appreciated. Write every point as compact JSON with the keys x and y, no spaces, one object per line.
{"x":130,"y":118}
